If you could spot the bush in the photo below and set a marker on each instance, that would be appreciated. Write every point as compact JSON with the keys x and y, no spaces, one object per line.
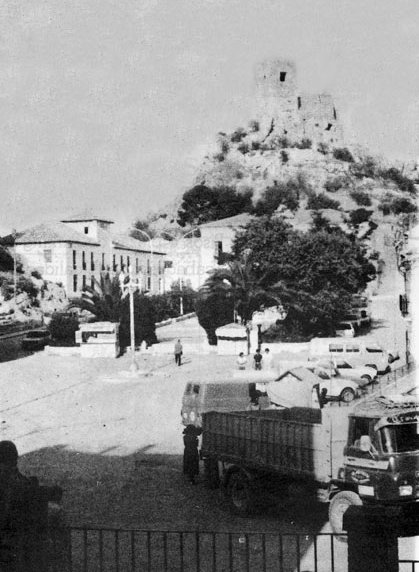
{"x":333,"y":185}
{"x":214,"y":311}
{"x":219,"y":157}
{"x":243,"y":148}
{"x":304,"y":144}
{"x":385,"y":207}
{"x":254,"y":126}
{"x":238,"y":135}
{"x":26,"y":285}
{"x":63,"y":326}
{"x":404,"y":183}
{"x":323,"y":148}
{"x":361,"y":198}
{"x":321,"y":201}
{"x":359,"y":215}
{"x":343,"y":154}
{"x":255,"y":145}
{"x":284,"y":156}
{"x":403,"y":205}
{"x":36,"y":274}
{"x":366,"y":167}
{"x":286,"y":194}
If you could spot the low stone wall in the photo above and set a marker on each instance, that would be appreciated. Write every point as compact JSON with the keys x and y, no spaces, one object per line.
{"x":62,"y":350}
{"x":173,"y":320}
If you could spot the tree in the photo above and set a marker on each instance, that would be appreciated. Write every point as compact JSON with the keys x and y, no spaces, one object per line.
{"x":103,"y":300}
{"x":314,"y":273}
{"x":286,"y":194}
{"x":142,"y":229}
{"x":144,"y":321}
{"x":203,"y":204}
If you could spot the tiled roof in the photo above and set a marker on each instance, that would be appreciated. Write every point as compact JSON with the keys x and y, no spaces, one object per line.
{"x":86,"y":216}
{"x":53,"y":232}
{"x":230,"y":222}
{"x":130,"y":243}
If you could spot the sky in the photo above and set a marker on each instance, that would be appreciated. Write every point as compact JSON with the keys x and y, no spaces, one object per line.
{"x":109,"y":105}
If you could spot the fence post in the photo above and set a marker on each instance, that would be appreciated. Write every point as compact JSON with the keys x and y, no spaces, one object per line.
{"x":372,"y":538}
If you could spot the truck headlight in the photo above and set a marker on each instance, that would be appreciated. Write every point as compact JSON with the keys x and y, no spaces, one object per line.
{"x":192,"y":416}
{"x":185,"y":415}
{"x":405,"y":490}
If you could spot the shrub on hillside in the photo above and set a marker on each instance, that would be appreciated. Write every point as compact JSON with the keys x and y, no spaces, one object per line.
{"x":359,"y":215}
{"x":361,"y":198}
{"x":343,"y":154}
{"x":63,"y":327}
{"x":323,"y":148}
{"x":333,"y":185}
{"x":254,"y":126}
{"x":238,"y":135}
{"x":282,"y":193}
{"x":243,"y":148}
{"x":365,"y":167}
{"x":304,"y":144}
{"x":284,"y":156}
{"x":26,"y":285}
{"x":35,"y":274}
{"x":321,"y":201}
{"x":255,"y":145}
{"x":403,"y":205}
{"x":404,"y":183}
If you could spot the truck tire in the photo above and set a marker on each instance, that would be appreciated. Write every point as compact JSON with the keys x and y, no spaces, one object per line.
{"x":347,"y":395}
{"x":239,"y":494}
{"x":212,"y":477}
{"x":337,"y":508}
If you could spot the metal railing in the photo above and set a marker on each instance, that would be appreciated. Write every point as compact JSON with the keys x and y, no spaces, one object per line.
{"x":96,"y":549}
{"x":384,"y":381}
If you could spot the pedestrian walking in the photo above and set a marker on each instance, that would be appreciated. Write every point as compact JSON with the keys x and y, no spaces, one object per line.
{"x":257,"y":358}
{"x":241,"y":361}
{"x":178,"y":352}
{"x":190,"y":452}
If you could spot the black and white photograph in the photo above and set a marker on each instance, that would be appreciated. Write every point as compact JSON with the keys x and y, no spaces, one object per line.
{"x":209,"y":254}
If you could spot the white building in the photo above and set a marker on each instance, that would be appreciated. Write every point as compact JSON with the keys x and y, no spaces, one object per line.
{"x":190,"y":259}
{"x":76,"y":250}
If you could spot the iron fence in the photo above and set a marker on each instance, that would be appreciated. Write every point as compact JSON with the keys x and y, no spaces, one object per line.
{"x":95,"y":549}
{"x":389,"y":378}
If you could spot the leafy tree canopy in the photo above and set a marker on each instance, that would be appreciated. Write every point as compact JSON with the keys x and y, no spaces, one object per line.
{"x":203,"y":204}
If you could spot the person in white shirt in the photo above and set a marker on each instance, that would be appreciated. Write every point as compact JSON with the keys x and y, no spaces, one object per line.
{"x":267,"y":359}
{"x":241,"y":361}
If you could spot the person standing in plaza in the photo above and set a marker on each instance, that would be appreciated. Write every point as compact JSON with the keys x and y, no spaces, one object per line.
{"x":178,"y":352}
{"x":267,"y":359}
{"x":258,"y":359}
{"x":190,"y":453}
{"x":241,"y":361}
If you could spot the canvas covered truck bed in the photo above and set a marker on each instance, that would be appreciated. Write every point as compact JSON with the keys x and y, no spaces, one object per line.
{"x":295,"y":442}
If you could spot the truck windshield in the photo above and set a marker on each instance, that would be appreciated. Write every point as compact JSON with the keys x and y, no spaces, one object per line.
{"x":400,"y":438}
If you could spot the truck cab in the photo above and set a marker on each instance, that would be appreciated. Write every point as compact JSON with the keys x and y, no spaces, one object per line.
{"x":381,"y":457}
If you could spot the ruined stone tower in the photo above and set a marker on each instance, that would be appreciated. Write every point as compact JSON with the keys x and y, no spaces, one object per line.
{"x":285,"y":112}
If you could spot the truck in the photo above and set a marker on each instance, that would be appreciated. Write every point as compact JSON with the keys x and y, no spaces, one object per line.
{"x":362,"y":454}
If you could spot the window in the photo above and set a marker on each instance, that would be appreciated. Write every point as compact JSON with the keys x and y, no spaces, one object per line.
{"x":374,"y":350}
{"x":148,"y":283}
{"x":136,"y":266}
{"x":103,"y":261}
{"x":86,"y":230}
{"x":48,"y":255}
{"x":148,"y":266}
{"x":334,"y":113}
{"x":92,"y":282}
{"x":122,"y":263}
{"x":218,"y":248}
{"x":128,"y":262}
{"x":83,"y":260}
{"x":75,"y":283}
{"x":92,"y":261}
{"x":334,"y":348}
{"x":299,"y":102}
{"x":114,"y":263}
{"x":282,"y":76}
{"x":74,"y":260}
{"x":352,"y":349}
{"x":84,"y":281}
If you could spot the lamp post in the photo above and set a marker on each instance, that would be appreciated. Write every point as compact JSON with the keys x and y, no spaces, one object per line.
{"x":129,"y":288}
{"x":151,"y":256}
{"x":14,"y":269}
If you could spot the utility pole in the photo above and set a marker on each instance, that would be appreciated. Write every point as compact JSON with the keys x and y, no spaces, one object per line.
{"x":129,"y":288}
{"x":14,"y":269}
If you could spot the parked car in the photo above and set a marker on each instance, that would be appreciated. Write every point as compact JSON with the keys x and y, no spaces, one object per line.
{"x":362,"y":374}
{"x":36,"y":340}
{"x":345,"y":330}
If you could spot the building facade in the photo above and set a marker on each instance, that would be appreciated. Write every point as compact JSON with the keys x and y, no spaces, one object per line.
{"x":76,"y":250}
{"x":190,"y":259}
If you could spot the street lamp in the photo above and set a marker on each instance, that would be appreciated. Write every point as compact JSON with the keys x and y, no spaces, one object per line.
{"x":129,"y":288}
{"x":151,"y":256}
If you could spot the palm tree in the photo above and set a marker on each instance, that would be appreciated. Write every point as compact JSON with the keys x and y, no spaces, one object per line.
{"x":103,"y":300}
{"x":237,"y":280}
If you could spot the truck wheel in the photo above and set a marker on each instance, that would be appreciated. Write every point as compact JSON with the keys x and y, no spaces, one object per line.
{"x":240,"y":494}
{"x":337,"y":508}
{"x":212,"y":476}
{"x":347,"y":395}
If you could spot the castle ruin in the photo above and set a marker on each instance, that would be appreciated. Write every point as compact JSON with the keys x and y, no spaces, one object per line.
{"x":285,"y":112}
